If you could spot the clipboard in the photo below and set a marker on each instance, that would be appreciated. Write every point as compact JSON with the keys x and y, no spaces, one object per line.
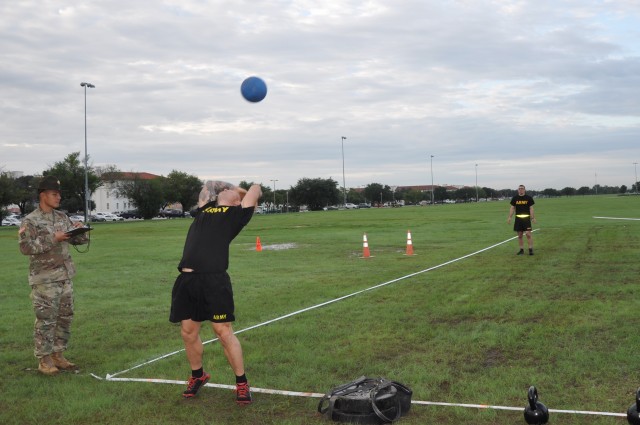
{"x":78,"y":231}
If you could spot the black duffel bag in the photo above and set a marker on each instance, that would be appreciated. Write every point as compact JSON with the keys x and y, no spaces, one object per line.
{"x":367,"y":401}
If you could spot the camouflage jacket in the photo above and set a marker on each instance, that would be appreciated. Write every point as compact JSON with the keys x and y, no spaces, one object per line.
{"x":49,"y":260}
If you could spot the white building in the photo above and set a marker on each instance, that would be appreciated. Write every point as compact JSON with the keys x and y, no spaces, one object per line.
{"x":106,"y":196}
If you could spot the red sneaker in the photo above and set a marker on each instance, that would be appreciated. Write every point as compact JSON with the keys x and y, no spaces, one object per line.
{"x":243,"y":393}
{"x":194,"y":385}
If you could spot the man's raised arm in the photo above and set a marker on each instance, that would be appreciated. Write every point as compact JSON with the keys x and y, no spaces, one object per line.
{"x":251,"y":198}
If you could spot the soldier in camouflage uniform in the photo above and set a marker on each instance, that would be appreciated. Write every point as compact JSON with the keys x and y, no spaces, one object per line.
{"x":42,"y":237}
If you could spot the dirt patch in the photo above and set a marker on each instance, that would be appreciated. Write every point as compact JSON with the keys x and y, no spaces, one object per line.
{"x":279,"y":246}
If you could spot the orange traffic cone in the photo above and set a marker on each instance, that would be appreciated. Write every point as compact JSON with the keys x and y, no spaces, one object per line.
{"x":409,"y":244}
{"x":258,"y":245}
{"x":365,"y":247}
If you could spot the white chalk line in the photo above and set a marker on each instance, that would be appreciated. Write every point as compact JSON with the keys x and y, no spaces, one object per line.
{"x":109,"y":376}
{"x":618,"y":218}
{"x":320,"y":395}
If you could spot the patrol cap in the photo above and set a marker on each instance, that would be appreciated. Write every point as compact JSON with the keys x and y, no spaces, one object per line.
{"x":49,"y":183}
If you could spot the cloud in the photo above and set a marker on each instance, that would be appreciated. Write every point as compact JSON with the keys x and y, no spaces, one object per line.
{"x":511,"y":85}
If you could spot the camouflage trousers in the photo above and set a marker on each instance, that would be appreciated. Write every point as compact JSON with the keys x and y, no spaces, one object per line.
{"x":53,"y":306}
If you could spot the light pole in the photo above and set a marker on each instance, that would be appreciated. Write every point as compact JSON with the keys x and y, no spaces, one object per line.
{"x":344,"y":185}
{"x":86,"y":155}
{"x":274,"y":192}
{"x":635,"y":167}
{"x":476,"y":182}
{"x":431,"y":179}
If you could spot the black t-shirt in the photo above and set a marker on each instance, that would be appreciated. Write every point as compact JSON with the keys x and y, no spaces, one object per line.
{"x":522,"y":204}
{"x":206,"y":249}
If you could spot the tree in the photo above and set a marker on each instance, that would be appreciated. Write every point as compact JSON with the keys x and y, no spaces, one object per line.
{"x":439,"y":194}
{"x":466,"y":194}
{"x":315,"y":193}
{"x":7,"y":191}
{"x":584,"y":190}
{"x":26,"y":193}
{"x":183,"y":188}
{"x":489,"y":193}
{"x":378,"y":193}
{"x":70,"y":172}
{"x":356,"y":196}
{"x":412,"y":196}
{"x":551,"y":192}
{"x":245,"y":184}
{"x":568,"y":191}
{"x":146,"y":194}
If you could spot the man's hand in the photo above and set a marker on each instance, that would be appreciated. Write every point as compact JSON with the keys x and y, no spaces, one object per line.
{"x":242,"y":192}
{"x":60,"y":236}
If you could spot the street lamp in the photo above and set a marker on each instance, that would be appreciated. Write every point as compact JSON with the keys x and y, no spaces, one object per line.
{"x":476,"y":182}
{"x":431,"y":179}
{"x":344,"y":185}
{"x":274,"y":192}
{"x":86,"y":155}
{"x":635,"y":167}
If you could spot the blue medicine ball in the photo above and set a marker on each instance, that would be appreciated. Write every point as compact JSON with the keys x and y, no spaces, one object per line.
{"x":253,"y":89}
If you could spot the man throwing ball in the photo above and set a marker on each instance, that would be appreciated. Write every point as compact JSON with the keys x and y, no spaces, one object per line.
{"x":522,"y":206}
{"x":203,"y":290}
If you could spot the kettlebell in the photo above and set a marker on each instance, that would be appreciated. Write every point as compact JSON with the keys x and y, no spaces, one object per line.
{"x":535,"y":413}
{"x":633,"y":414}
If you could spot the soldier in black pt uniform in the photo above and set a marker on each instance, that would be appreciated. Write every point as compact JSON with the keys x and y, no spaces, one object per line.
{"x":522,"y":206}
{"x":202,"y":291}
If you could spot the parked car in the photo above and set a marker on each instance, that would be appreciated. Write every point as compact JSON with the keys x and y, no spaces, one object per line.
{"x":106,"y":216}
{"x":350,"y":206}
{"x":10,"y":221}
{"x":130,"y":214}
{"x":169,"y":213}
{"x":112,"y":217}
{"x":76,"y":218}
{"x":364,"y":206}
{"x":330,"y":208}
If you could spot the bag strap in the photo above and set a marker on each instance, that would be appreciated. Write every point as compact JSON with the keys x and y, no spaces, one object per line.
{"x":374,"y":393}
{"x":331,"y":396}
{"x":402,"y":387}
{"x":329,"y":409}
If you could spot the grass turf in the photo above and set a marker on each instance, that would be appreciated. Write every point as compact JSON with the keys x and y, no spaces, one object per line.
{"x":479,"y":330}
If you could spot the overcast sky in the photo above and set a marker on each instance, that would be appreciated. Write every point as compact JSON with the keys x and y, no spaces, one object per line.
{"x":544,"y":93}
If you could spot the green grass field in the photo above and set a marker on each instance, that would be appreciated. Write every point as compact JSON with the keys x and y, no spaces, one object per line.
{"x":480,"y":330}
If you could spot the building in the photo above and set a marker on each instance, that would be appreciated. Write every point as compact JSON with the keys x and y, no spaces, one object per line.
{"x":106,"y":197}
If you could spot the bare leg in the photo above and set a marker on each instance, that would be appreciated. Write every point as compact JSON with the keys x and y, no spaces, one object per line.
{"x":190,"y":331}
{"x":231,"y":346}
{"x":520,"y":241}
{"x":529,"y":239}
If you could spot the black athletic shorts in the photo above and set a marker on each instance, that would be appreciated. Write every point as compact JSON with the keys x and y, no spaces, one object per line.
{"x":522,"y":224}
{"x":202,"y":296}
